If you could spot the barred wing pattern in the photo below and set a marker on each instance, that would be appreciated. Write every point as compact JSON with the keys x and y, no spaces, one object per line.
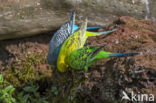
{"x":57,"y":40}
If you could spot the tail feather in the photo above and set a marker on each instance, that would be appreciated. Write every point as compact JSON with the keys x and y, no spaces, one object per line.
{"x":73,"y":15}
{"x":123,"y":54}
{"x":72,"y":20}
{"x":107,"y":32}
{"x":76,"y":27}
{"x":95,"y":27}
{"x":100,"y":54}
{"x":88,"y":33}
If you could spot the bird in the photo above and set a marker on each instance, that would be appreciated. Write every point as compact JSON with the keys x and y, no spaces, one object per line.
{"x":84,"y":57}
{"x":59,"y":37}
{"x":62,"y":34}
{"x":72,"y":43}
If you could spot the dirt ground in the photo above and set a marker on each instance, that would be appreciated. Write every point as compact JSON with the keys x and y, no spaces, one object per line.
{"x":24,"y":60}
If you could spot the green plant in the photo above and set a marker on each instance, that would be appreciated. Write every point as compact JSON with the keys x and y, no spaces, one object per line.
{"x":6,"y":92}
{"x":54,"y":90}
{"x":30,"y":94}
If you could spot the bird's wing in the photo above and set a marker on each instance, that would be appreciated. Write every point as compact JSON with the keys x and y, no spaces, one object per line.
{"x":79,"y":58}
{"x":59,"y":37}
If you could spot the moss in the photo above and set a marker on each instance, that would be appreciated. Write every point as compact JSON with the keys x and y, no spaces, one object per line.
{"x":67,"y":84}
{"x":22,"y":71}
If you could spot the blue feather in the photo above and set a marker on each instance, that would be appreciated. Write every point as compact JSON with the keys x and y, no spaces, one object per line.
{"x":75,"y":27}
{"x":59,"y":37}
{"x":95,"y":27}
{"x":123,"y":54}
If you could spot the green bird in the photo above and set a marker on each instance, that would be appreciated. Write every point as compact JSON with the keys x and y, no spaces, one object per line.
{"x":74,"y":42}
{"x":84,"y":57}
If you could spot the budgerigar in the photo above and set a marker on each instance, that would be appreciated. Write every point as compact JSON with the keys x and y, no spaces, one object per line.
{"x":84,"y":57}
{"x":74,"y":42}
{"x":62,"y":34}
{"x":59,"y":37}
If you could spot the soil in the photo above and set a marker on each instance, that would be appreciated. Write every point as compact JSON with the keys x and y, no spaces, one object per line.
{"x":24,"y":60}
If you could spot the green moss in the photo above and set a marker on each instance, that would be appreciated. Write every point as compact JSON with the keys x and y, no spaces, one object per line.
{"x":24,"y":70}
{"x":61,"y":87}
{"x":64,"y":88}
